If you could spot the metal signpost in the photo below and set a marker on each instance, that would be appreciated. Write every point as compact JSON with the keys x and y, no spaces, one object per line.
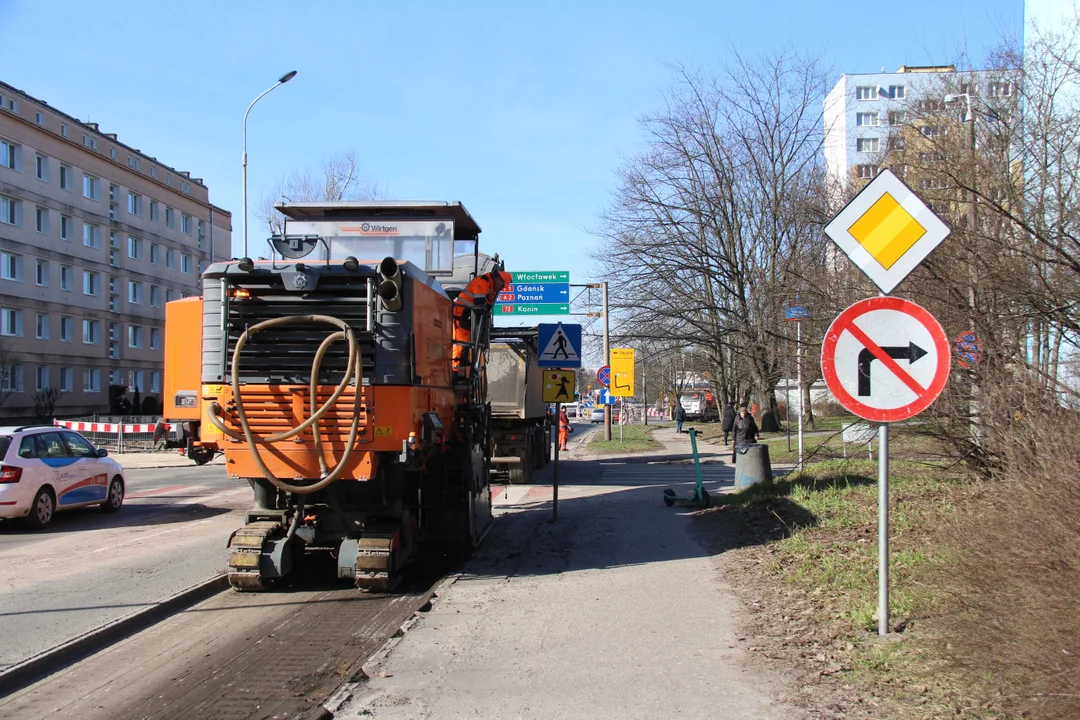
{"x":798,"y":314}
{"x":886,"y":359}
{"x":560,"y":347}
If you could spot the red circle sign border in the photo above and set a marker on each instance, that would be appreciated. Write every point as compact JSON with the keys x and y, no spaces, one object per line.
{"x":923,"y":316}
{"x":600,"y":379}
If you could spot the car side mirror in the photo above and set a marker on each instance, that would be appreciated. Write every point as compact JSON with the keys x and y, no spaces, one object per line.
{"x":102,"y":452}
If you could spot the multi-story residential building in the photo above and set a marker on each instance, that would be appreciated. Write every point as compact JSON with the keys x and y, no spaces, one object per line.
{"x":864,"y":113}
{"x":95,"y":238}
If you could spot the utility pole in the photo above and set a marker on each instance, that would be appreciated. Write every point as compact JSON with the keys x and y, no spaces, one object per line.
{"x":607,"y":359}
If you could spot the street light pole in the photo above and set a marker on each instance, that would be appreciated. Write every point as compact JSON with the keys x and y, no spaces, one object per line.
{"x":281,"y":81}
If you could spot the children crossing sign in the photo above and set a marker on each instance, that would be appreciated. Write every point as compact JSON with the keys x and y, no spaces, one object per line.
{"x":560,"y":345}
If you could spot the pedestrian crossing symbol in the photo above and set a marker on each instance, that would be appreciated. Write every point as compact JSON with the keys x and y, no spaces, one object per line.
{"x":560,"y":345}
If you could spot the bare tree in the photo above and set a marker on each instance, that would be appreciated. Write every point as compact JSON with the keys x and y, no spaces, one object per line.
{"x":9,"y":372}
{"x":337,"y":178}
{"x":45,"y":403}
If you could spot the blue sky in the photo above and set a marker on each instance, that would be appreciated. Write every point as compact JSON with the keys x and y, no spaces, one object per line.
{"x":522,"y":111}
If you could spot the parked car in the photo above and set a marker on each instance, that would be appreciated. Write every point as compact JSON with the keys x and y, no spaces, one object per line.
{"x":44,"y":469}
{"x":597,"y":415}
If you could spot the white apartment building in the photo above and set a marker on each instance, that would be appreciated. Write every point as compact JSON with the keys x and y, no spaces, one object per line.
{"x":95,"y":238}
{"x":863,"y":112}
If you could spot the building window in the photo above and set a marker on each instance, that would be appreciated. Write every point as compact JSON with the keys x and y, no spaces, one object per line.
{"x":11,"y":378}
{"x":170,"y":295}
{"x":134,"y":336}
{"x":896,"y":142}
{"x":170,"y":220}
{"x":934,"y":130}
{"x":91,"y":236}
{"x":40,"y":117}
{"x":155,"y":338}
{"x":896,"y":92}
{"x":10,"y":267}
{"x":866,"y":172}
{"x":41,"y":273}
{"x":41,"y":326}
{"x":10,"y":155}
{"x":91,"y":380}
{"x":932,"y":184}
{"x":931,"y":105}
{"x":65,"y":328}
{"x":10,"y":211}
{"x":185,"y":224}
{"x":133,"y":162}
{"x":185,"y":187}
{"x":155,"y":253}
{"x":42,"y":378}
{"x":170,"y":259}
{"x":866,"y":119}
{"x":155,"y":381}
{"x":91,"y":283}
{"x":63,"y":130}
{"x":90,"y":187}
{"x":135,"y":381}
{"x":41,"y":220}
{"x":135,"y":292}
{"x":134,"y":248}
{"x":865,"y":92}
{"x":897,"y":117}
{"x":67,"y":379}
{"x":91,"y":332}
{"x":41,"y":168}
{"x":168,"y":179}
{"x":65,"y":227}
{"x":134,"y":204}
{"x":931,"y":157}
{"x":154,"y":215}
{"x":65,"y":277}
{"x":11,"y":322}
{"x":65,"y":177}
{"x":90,"y":142}
{"x":155,"y":296}
{"x":867,"y":145}
{"x":153,"y":171}
{"x":185,"y":263}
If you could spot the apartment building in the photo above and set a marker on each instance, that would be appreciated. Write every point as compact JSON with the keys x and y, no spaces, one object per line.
{"x":95,"y":238}
{"x":864,"y":113}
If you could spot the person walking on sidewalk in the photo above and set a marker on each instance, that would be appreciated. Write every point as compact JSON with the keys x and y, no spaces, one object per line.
{"x":728,"y":419}
{"x":159,"y":434}
{"x":679,"y":416}
{"x":745,"y":431}
{"x":564,"y":428}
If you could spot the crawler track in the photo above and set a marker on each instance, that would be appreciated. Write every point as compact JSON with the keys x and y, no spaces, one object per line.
{"x":238,"y":655}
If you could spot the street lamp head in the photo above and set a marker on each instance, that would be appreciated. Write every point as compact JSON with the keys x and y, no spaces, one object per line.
{"x":287,"y":76}
{"x":950,"y":98}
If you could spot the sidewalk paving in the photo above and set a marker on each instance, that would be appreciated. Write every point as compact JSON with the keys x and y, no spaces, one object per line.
{"x":614,"y":611}
{"x":162,"y":459}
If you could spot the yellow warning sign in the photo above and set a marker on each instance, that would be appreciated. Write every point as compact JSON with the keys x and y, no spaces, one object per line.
{"x":383,"y":431}
{"x":887,"y":231}
{"x":622,"y":372}
{"x":558,"y":386}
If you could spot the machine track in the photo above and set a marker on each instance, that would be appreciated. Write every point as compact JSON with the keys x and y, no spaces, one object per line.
{"x":245,"y":555}
{"x":376,"y":560}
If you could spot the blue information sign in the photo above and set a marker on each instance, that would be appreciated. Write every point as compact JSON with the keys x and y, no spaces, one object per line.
{"x":606,"y":398}
{"x":560,"y":345}
{"x":798,"y":312}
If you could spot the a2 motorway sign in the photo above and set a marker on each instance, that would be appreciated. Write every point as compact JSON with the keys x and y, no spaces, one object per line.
{"x":885,"y":359}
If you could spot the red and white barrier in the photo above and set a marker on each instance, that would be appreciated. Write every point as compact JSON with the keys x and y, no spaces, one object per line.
{"x":109,"y":428}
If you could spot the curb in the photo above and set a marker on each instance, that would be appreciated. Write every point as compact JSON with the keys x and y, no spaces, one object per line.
{"x":51,"y":661}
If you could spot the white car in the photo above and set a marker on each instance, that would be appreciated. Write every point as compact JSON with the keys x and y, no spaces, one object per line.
{"x":596,"y":415}
{"x":45,"y":469}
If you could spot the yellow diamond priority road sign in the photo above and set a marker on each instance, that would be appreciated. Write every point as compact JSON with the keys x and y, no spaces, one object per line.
{"x":887,"y":230}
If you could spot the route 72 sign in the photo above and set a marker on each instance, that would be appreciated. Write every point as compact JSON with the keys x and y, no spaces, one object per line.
{"x":885,"y":359}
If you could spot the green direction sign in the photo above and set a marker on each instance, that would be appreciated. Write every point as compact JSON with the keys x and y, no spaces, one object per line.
{"x":535,"y":309}
{"x":551,"y":276}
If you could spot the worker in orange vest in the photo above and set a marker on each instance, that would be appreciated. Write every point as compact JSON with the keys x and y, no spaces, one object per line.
{"x":480,"y":290}
{"x":564,"y":429}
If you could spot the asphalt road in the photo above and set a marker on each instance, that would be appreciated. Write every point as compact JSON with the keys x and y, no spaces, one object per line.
{"x":90,"y":568}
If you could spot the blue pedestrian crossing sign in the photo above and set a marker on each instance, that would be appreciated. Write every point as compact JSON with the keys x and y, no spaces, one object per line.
{"x":560,"y":345}
{"x":606,"y":398}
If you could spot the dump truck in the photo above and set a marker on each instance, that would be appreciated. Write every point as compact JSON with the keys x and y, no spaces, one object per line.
{"x":521,"y":424}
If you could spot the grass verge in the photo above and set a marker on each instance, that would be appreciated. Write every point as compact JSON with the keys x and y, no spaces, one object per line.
{"x":635,"y":439}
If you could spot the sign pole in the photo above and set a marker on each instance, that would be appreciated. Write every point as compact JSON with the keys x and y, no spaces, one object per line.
{"x":607,"y":360}
{"x":883,"y":529}
{"x":798,"y":356}
{"x":555,"y":480}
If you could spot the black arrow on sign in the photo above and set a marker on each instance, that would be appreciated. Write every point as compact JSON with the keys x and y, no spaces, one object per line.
{"x":911,"y":353}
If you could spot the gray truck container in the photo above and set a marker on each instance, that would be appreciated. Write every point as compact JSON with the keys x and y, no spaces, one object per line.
{"x":521,"y":425}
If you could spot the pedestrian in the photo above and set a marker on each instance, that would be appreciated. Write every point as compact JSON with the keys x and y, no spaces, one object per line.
{"x":159,"y":434}
{"x":745,"y":431}
{"x":728,"y":420}
{"x":679,"y":416}
{"x":564,"y":428}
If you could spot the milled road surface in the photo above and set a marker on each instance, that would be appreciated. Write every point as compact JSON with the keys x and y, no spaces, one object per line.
{"x":90,"y":568}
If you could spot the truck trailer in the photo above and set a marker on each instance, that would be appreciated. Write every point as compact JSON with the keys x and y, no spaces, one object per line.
{"x":521,"y":424}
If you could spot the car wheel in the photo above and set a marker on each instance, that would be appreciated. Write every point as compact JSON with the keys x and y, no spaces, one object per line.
{"x":115,"y":497}
{"x":42,"y":511}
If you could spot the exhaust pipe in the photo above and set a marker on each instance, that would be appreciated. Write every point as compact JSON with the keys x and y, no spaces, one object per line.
{"x":391,"y":291}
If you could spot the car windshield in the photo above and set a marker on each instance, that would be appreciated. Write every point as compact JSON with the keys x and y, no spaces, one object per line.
{"x":5,"y":443}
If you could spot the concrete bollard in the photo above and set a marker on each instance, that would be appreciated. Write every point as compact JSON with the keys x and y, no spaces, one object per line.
{"x":753,"y":466}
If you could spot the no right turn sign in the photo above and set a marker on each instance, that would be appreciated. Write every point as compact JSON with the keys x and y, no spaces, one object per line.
{"x":885,"y":359}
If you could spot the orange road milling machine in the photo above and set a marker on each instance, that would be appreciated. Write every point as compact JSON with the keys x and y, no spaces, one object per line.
{"x":349,"y":392}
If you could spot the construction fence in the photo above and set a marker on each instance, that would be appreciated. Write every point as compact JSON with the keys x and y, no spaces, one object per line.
{"x":120,"y":437}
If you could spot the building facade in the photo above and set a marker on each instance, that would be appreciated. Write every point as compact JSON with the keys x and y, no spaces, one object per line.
{"x":864,"y":113}
{"x":95,"y":238}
